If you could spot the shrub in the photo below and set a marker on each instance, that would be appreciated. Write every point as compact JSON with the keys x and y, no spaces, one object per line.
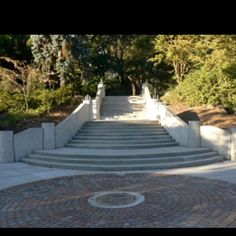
{"x":205,"y":88}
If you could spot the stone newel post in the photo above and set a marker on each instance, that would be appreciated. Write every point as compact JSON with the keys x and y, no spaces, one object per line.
{"x":6,"y":146}
{"x":48,"y":135}
{"x":194,"y":138}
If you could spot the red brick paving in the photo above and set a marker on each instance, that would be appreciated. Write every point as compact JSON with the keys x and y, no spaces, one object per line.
{"x":170,"y":201}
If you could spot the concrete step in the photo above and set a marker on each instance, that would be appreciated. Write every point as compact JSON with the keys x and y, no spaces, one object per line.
{"x":120,"y":132}
{"x":123,"y":122}
{"x":123,"y":98}
{"x":115,"y":154}
{"x":127,"y":146}
{"x":124,"y":142}
{"x":121,"y":161}
{"x":136,"y":167}
{"x":121,"y":112}
{"x":122,"y":105}
{"x":107,"y":134}
{"x":118,"y":138}
{"x":121,"y":126}
{"x":114,"y":106}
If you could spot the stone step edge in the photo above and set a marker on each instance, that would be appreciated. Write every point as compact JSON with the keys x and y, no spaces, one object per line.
{"x":129,"y":155}
{"x":82,"y":146}
{"x":158,"y":166}
{"x":87,"y":141}
{"x":119,"y":134}
{"x":200,"y":156}
{"x":121,"y":131}
{"x":158,"y":137}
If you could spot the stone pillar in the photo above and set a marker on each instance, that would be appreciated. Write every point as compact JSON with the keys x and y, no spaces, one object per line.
{"x":90,"y":108}
{"x":48,"y":135}
{"x":6,"y":146}
{"x":194,"y":138}
{"x":233,"y":144}
{"x":98,"y":108}
{"x":153,"y":107}
{"x":89,"y":102}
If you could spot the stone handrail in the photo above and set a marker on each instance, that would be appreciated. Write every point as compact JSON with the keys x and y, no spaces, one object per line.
{"x":70,"y":125}
{"x":177,"y":128}
{"x":192,"y":134}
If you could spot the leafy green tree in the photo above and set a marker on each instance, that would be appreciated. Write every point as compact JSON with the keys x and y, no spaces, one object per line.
{"x":20,"y":79}
{"x":183,"y":52}
{"x":60,"y":57}
{"x":124,"y":56}
{"x":214,"y":82}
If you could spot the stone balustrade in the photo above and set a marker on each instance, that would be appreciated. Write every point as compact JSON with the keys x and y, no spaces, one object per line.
{"x":193,"y":134}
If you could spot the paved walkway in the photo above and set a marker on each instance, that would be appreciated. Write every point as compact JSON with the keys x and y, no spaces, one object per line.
{"x":189,"y":197}
{"x":170,"y":201}
{"x":12,"y":174}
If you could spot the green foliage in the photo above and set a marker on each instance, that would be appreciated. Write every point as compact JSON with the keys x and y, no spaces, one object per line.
{"x":195,"y":69}
{"x":90,"y":86}
{"x":61,"y":58}
{"x":210,"y":87}
{"x":43,"y":100}
{"x":7,"y":101}
{"x":213,"y":81}
{"x":183,"y":52}
{"x":18,"y":78}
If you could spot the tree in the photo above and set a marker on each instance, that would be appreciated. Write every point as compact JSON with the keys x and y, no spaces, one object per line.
{"x":213,"y":82}
{"x":183,"y":52}
{"x":138,"y":68}
{"x":60,"y":57}
{"x":20,"y":78}
{"x":125,"y":56}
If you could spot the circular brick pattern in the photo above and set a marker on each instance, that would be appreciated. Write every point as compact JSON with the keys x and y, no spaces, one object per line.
{"x":114,"y":200}
{"x":170,"y":201}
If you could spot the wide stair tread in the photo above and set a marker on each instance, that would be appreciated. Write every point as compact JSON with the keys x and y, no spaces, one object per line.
{"x":122,"y":160}
{"x":125,"y":167}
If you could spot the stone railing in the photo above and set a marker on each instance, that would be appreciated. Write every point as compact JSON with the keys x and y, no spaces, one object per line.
{"x":192,"y":134}
{"x":68,"y":127}
{"x":14,"y":147}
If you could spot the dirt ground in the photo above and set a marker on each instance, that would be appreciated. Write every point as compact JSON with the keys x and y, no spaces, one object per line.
{"x":56,"y":115}
{"x":208,"y":115}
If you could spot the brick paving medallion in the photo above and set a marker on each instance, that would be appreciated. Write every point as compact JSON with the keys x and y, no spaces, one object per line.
{"x":170,"y":201}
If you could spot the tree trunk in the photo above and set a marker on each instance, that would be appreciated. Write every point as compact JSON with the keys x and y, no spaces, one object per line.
{"x":133,"y":84}
{"x":133,"y":88}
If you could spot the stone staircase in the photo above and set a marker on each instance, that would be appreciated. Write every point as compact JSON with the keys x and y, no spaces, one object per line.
{"x":123,"y":108}
{"x":124,"y":140}
{"x":121,"y":135}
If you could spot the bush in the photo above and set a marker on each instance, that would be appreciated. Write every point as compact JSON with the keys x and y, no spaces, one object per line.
{"x":89,"y":86}
{"x":205,"y":88}
{"x":11,"y":101}
{"x":43,"y":100}
{"x":63,"y":95}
